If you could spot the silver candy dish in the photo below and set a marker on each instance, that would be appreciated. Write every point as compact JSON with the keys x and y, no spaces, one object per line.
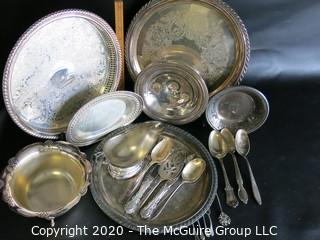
{"x":45,"y":179}
{"x":103,"y":115}
{"x":172,"y":92}
{"x":206,"y":35}
{"x":238,"y":108}
{"x":60,"y":63}
{"x":186,"y":206}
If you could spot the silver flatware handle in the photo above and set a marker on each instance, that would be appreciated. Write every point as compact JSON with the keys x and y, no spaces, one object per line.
{"x":255,"y":189}
{"x":132,"y":188}
{"x":201,"y":234}
{"x":134,"y":203}
{"x":231,"y":199}
{"x":242,"y":193}
{"x":168,"y":198}
{"x":208,"y":214}
{"x":196,"y":237}
{"x":149,"y":210}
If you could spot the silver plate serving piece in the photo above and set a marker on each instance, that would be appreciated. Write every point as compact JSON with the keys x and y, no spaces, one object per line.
{"x":188,"y":204}
{"x":60,"y":63}
{"x":103,"y":115}
{"x":207,"y":35}
{"x":238,"y":108}
{"x":45,"y":179}
{"x":172,"y":92}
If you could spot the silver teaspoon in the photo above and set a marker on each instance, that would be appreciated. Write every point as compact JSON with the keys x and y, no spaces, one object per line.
{"x":218,"y":149}
{"x":243,"y":147}
{"x":229,"y":139}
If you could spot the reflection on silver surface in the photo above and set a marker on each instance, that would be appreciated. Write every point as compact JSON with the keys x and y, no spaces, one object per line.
{"x":186,"y":206}
{"x":59,"y":64}
{"x":103,"y":115}
{"x":206,"y":35}
{"x":172,"y":92}
{"x":238,"y":108}
{"x":46,"y":179}
{"x":125,"y":152}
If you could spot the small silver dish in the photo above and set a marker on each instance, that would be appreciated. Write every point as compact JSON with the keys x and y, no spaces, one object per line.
{"x":207,"y":35}
{"x":46,"y":180}
{"x":238,"y":108}
{"x":103,"y":115}
{"x":125,"y":153}
{"x":172,"y":92}
{"x":59,"y":64}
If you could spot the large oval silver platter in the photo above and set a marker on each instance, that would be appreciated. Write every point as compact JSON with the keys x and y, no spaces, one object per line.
{"x":189,"y":203}
{"x":207,"y":35}
{"x":60,"y":63}
{"x":103,"y":115}
{"x":237,"y":108}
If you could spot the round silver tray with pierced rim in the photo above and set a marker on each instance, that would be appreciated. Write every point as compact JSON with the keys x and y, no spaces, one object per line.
{"x":205,"y":34}
{"x":60,"y":63}
{"x":188,"y":205}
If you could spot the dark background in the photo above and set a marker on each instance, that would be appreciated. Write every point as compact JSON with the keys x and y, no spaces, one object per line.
{"x":285,"y":65}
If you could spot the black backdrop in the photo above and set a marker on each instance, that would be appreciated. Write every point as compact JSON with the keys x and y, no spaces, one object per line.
{"x":285,"y":65}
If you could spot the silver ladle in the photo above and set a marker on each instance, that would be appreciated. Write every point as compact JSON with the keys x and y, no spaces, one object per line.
{"x":218,"y":149}
{"x":229,"y":140}
{"x":242,"y":143}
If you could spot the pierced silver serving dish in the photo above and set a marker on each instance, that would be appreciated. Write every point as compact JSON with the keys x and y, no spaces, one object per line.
{"x":172,"y":92}
{"x":189,"y":203}
{"x":103,"y":115}
{"x":45,"y":179}
{"x":60,"y":63}
{"x":238,"y":108}
{"x":207,"y":35}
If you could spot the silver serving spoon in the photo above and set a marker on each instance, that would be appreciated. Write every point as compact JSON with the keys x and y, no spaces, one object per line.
{"x":243,"y":148}
{"x":168,"y":171}
{"x":158,"y":155}
{"x":191,"y":173}
{"x":229,"y":140}
{"x":218,"y":149}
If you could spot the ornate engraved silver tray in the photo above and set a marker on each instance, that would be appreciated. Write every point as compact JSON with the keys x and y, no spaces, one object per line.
{"x":189,"y":203}
{"x":102,"y":115}
{"x":173,"y":93}
{"x":60,"y":63}
{"x":238,"y":108}
{"x":207,"y":35}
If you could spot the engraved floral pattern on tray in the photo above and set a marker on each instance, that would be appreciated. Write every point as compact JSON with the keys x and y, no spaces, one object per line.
{"x":202,"y":32}
{"x":55,"y":74}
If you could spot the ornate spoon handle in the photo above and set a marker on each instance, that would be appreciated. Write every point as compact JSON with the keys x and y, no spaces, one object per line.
{"x":133,"y":204}
{"x":148,"y":211}
{"x":231,"y":199}
{"x":132,"y":188}
{"x":242,"y":193}
{"x":255,"y":189}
